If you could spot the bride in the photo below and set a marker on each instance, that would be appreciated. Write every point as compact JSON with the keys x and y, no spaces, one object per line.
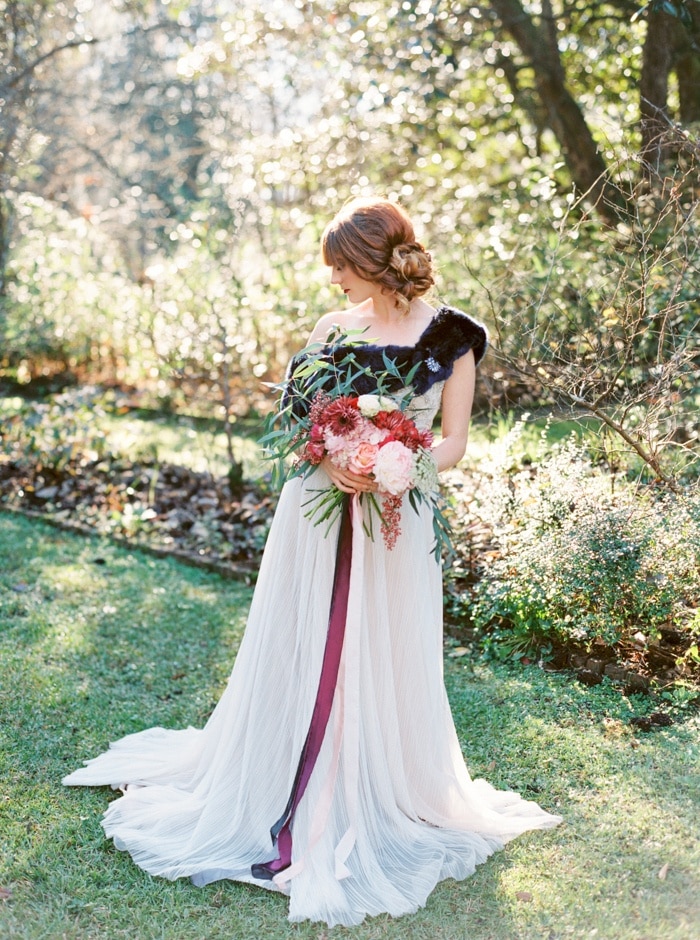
{"x":330,"y":769}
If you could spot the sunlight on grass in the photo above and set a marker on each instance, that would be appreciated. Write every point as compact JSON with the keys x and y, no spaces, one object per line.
{"x":180,"y":441}
{"x":484,"y":433}
{"x":73,"y":577}
{"x":93,"y":651}
{"x":197,"y":444}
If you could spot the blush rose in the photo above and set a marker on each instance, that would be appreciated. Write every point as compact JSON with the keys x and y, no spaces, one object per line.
{"x":363,"y":460}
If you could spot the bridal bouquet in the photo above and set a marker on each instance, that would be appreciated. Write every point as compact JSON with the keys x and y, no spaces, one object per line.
{"x":369,"y":434}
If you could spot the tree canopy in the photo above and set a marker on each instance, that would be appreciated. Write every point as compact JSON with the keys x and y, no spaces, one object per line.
{"x":183,"y":156}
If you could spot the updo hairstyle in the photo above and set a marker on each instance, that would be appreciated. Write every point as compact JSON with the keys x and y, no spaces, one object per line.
{"x":375,"y":238}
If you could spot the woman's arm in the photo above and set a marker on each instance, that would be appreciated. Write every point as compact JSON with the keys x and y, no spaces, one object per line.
{"x":457,"y":400}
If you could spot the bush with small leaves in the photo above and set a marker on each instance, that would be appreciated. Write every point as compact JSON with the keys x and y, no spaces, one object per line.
{"x":56,"y":432}
{"x":582,"y":556}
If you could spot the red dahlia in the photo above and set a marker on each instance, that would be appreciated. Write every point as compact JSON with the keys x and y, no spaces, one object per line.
{"x":342,"y":416}
{"x":391,"y":421}
{"x":403,"y":429}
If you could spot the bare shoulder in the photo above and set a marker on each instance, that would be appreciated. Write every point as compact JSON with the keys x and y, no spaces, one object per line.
{"x":421,"y":317}
{"x":325,"y":325}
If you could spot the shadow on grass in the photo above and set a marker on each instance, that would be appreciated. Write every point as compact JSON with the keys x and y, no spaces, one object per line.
{"x":98,"y":642}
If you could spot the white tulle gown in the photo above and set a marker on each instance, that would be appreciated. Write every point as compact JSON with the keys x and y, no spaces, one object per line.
{"x":390,"y":809}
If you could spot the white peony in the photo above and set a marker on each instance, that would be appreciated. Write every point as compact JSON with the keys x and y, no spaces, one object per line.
{"x":371,"y":405}
{"x":393,"y":468}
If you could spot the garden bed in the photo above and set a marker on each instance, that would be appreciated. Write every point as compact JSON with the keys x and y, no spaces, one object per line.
{"x":199,"y":518}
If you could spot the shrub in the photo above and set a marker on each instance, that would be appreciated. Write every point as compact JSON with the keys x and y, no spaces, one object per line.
{"x":582,"y":556}
{"x":55,"y":432}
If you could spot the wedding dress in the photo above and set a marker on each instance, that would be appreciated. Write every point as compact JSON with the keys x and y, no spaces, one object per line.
{"x":389,"y":808}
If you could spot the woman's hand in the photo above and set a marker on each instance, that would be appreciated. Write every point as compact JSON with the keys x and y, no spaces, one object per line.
{"x":346,"y":481}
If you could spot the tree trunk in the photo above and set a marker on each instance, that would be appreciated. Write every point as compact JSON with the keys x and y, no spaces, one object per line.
{"x":538,"y":43}
{"x":4,"y":250}
{"x":687,"y":68}
{"x":657,"y":62}
{"x":688,"y":74}
{"x":671,"y":46}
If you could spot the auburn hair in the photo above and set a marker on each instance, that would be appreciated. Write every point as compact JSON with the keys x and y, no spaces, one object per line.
{"x":375,"y":238}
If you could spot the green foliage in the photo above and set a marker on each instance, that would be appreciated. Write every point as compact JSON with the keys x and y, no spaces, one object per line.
{"x":582,"y":557}
{"x":603,"y":322}
{"x":68,"y":304}
{"x":55,"y":433}
{"x":190,"y":331}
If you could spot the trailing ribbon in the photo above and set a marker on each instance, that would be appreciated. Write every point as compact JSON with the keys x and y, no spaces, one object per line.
{"x":346,"y":730}
{"x":350,"y":681}
{"x":281,"y":831}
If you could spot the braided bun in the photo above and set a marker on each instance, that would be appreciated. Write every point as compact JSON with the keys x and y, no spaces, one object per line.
{"x":412,"y":267}
{"x":375,"y":238}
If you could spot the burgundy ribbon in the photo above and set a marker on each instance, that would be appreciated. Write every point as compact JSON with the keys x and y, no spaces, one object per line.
{"x":281,"y":831}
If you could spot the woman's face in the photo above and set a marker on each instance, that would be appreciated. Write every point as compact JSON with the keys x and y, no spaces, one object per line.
{"x":355,"y":288}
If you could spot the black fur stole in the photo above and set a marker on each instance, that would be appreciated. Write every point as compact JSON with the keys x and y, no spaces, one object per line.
{"x":449,"y":335}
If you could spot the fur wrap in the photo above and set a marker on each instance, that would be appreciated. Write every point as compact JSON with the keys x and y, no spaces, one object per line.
{"x":448,"y":336}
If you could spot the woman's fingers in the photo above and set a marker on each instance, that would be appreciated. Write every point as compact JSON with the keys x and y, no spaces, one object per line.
{"x":348,"y":482}
{"x":352,"y":483}
{"x":362,"y":484}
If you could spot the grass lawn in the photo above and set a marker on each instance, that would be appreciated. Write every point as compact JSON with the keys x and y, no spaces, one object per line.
{"x":190,"y":442}
{"x":97,"y":642}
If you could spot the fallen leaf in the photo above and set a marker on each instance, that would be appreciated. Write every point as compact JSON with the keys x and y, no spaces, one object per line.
{"x":663,"y":871}
{"x":524,"y":896}
{"x":491,"y":766}
{"x":46,"y":492}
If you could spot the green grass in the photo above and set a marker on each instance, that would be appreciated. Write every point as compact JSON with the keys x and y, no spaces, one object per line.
{"x":97,"y":642}
{"x":190,"y":442}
